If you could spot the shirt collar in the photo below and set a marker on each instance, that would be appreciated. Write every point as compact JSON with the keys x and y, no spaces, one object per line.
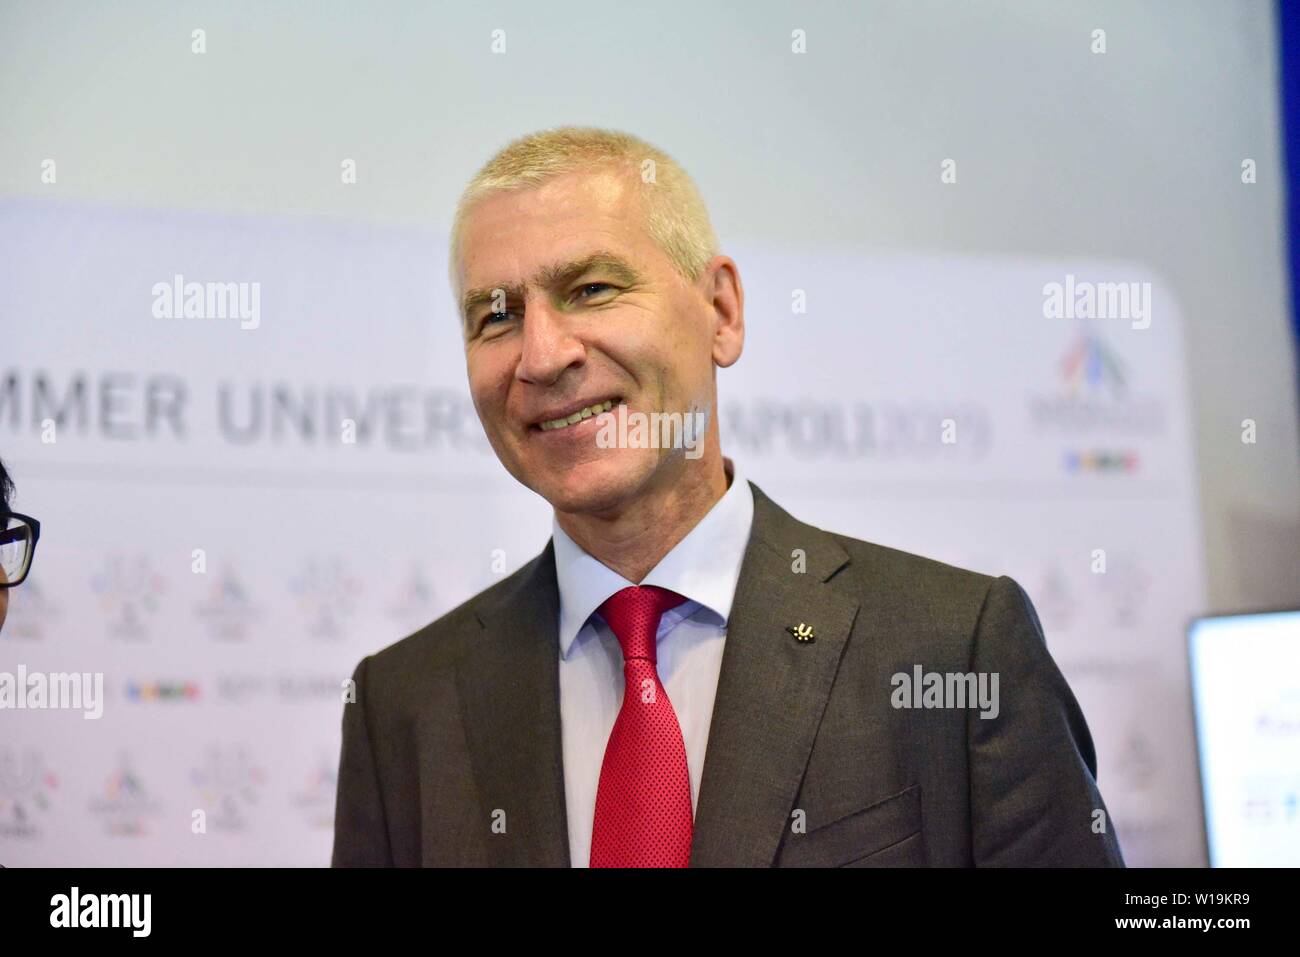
{"x":704,"y":566}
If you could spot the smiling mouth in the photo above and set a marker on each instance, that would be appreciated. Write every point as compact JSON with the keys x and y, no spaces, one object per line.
{"x":596,"y":408}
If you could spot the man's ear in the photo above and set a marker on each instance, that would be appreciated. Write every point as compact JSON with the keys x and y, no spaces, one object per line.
{"x":726,"y":296}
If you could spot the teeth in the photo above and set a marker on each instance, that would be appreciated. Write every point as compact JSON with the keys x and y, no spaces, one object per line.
{"x":578,"y":416}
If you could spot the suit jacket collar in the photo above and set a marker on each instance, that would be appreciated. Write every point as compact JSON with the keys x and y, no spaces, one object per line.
{"x":772,"y":690}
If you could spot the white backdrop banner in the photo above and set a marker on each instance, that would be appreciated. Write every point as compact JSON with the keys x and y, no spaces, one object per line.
{"x":252,"y":449}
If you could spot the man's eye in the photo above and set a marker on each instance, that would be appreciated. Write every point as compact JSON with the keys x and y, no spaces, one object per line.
{"x":598,"y":288}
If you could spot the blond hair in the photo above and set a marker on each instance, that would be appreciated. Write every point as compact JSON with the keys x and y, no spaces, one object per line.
{"x":675,"y":215}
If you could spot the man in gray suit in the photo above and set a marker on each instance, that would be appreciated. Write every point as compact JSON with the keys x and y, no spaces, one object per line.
{"x":686,"y":674}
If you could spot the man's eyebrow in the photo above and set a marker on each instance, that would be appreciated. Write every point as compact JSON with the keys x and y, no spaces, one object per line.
{"x":556,"y":274}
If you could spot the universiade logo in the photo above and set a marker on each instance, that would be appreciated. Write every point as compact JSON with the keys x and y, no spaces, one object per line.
{"x":1098,"y":300}
{"x":179,"y":299}
{"x":57,"y":691}
{"x":933,"y":689}
{"x":621,"y":429}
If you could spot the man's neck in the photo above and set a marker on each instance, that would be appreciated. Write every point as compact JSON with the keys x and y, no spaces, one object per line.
{"x":637,"y":540}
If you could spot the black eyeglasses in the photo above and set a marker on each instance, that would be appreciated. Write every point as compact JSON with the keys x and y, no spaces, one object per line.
{"x":18,"y":537}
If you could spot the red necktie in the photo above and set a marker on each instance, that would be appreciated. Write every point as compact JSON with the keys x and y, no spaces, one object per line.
{"x":643,"y":801}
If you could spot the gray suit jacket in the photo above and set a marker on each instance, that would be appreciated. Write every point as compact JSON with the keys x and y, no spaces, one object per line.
{"x":452,"y":756}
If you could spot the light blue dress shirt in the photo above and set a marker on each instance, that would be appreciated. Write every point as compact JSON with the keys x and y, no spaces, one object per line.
{"x":704,"y":567}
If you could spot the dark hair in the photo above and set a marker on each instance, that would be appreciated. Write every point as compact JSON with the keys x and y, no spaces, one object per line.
{"x":6,"y":493}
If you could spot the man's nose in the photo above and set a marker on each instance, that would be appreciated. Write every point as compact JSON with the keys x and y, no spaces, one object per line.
{"x":549,"y":345}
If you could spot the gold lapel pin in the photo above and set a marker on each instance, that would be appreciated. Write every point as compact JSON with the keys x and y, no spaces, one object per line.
{"x":802,"y":632}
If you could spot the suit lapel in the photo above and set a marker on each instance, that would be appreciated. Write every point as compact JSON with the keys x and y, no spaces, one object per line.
{"x":510,"y":699}
{"x":772,"y":689}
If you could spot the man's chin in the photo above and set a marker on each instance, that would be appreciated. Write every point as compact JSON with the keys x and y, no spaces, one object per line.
{"x":592,"y":486}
